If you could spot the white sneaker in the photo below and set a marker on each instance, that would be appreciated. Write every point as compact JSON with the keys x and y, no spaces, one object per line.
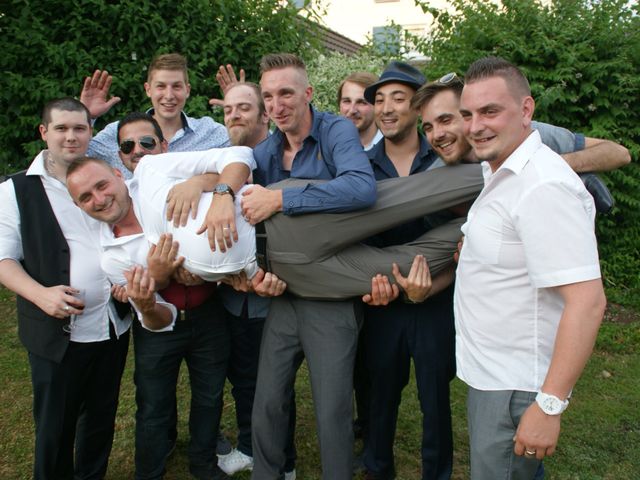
{"x":290,"y":475}
{"x":235,"y":462}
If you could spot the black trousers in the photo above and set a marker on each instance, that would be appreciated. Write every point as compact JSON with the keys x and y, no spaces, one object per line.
{"x":395,"y":334}
{"x":75,"y":401}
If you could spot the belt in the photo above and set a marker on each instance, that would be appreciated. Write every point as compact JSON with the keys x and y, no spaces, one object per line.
{"x":182,"y":315}
{"x":261,"y":246}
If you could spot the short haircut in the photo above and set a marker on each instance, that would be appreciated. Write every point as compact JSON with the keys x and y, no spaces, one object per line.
{"x":256,"y":88}
{"x":66,"y":104}
{"x":364,"y":79}
{"x":277,"y":61}
{"x":81,"y":161}
{"x":134,"y":117}
{"x":429,"y":90}
{"x":169,"y":61}
{"x":489,"y":67}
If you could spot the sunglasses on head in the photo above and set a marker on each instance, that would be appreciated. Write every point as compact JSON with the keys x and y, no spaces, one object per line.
{"x":449,"y":78}
{"x":147,"y":142}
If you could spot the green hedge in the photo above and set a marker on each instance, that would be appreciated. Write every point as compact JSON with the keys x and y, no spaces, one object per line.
{"x":582,"y":58}
{"x":48,"y":47}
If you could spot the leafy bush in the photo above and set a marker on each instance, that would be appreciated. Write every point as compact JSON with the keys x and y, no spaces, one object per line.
{"x":582,"y":58}
{"x":326,"y":71}
{"x":48,"y":47}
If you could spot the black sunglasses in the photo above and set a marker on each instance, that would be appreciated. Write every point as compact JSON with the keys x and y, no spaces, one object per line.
{"x":448,"y":78}
{"x":147,"y":142}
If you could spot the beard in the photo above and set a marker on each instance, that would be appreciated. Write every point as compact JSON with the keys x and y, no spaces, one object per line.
{"x":239,"y":136}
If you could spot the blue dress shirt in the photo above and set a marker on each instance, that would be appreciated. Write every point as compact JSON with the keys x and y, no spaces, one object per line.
{"x":331,"y":151}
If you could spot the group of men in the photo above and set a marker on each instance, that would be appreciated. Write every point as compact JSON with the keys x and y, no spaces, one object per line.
{"x":529,"y":242}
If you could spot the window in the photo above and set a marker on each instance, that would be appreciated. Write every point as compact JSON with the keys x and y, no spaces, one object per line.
{"x":387,"y":39}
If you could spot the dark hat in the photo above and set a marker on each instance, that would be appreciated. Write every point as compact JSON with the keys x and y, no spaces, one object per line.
{"x":396,"y":72}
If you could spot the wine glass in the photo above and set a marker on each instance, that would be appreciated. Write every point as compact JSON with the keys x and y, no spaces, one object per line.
{"x":80,"y":295}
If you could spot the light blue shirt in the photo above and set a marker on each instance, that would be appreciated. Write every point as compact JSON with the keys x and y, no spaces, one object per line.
{"x":196,"y":134}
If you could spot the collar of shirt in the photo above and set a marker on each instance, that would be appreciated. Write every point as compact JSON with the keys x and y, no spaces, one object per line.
{"x":274,"y":145}
{"x":515,"y":162}
{"x":374,"y":141}
{"x":37,"y":167}
{"x":187,"y":125}
{"x":383,"y":166}
{"x":275,"y":141}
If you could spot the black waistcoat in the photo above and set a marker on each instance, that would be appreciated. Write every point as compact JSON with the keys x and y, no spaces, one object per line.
{"x":47,"y":261}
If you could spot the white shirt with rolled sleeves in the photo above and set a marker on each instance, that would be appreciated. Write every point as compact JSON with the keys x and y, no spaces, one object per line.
{"x":123,"y":253}
{"x":155,"y":175}
{"x":81,"y":234}
{"x":530,"y":229}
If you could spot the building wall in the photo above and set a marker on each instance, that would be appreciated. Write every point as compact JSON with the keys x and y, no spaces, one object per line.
{"x":356,"y":19}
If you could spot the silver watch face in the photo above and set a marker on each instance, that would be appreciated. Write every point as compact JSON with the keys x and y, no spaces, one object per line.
{"x":551,"y":405}
{"x":222,"y":188}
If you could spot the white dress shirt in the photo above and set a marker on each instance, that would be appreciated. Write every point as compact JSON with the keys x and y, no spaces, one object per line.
{"x":531,"y":229}
{"x":155,"y":175}
{"x":81,"y":234}
{"x":123,"y":253}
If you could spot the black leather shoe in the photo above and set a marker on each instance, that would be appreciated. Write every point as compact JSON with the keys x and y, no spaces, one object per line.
{"x":601,"y":195}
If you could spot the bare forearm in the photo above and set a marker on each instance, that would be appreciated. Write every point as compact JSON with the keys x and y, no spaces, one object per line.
{"x":598,"y":156}
{"x":443,"y":279}
{"x":13,"y":276}
{"x":235,"y":175}
{"x":577,"y":332}
{"x":207,"y":181}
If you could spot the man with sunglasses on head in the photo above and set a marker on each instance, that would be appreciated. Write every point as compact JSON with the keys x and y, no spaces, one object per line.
{"x":48,"y":252}
{"x":168,"y":88}
{"x":438,"y":103}
{"x":401,"y":331}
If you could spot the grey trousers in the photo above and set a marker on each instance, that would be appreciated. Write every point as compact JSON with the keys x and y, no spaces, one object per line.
{"x":319,"y":257}
{"x":493,"y":418}
{"x":326,"y":334}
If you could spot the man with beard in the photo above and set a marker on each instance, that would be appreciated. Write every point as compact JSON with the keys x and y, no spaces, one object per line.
{"x":247,"y":124}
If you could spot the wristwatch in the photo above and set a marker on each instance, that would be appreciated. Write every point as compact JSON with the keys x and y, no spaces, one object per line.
{"x":224,"y":189}
{"x":550,"y":404}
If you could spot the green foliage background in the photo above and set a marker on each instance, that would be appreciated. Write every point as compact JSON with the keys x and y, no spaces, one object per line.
{"x":49,"y":46}
{"x":582,"y":58}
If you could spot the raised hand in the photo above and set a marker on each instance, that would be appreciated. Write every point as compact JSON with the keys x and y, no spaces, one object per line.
{"x":95,"y":91}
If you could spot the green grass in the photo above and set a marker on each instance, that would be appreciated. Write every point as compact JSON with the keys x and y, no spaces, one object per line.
{"x":599,"y":440}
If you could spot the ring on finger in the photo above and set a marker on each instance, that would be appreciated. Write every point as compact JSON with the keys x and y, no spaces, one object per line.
{"x":66,"y":308}
{"x":529,"y":453}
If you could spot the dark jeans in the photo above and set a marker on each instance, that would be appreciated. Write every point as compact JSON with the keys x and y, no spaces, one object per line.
{"x":394,"y":335}
{"x":202,"y":340}
{"x":246,"y":335}
{"x":75,"y":401}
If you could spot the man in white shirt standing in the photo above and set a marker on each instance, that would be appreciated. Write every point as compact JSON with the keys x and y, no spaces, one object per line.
{"x":48,"y":251}
{"x":199,"y":334}
{"x":529,"y":299}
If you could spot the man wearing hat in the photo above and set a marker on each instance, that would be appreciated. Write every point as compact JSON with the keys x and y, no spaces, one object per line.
{"x":402,"y":330}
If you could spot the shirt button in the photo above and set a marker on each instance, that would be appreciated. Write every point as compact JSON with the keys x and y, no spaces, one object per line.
{"x":291,"y":204}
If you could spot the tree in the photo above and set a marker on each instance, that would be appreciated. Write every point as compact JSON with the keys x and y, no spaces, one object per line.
{"x":582,"y":58}
{"x":48,"y":47}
